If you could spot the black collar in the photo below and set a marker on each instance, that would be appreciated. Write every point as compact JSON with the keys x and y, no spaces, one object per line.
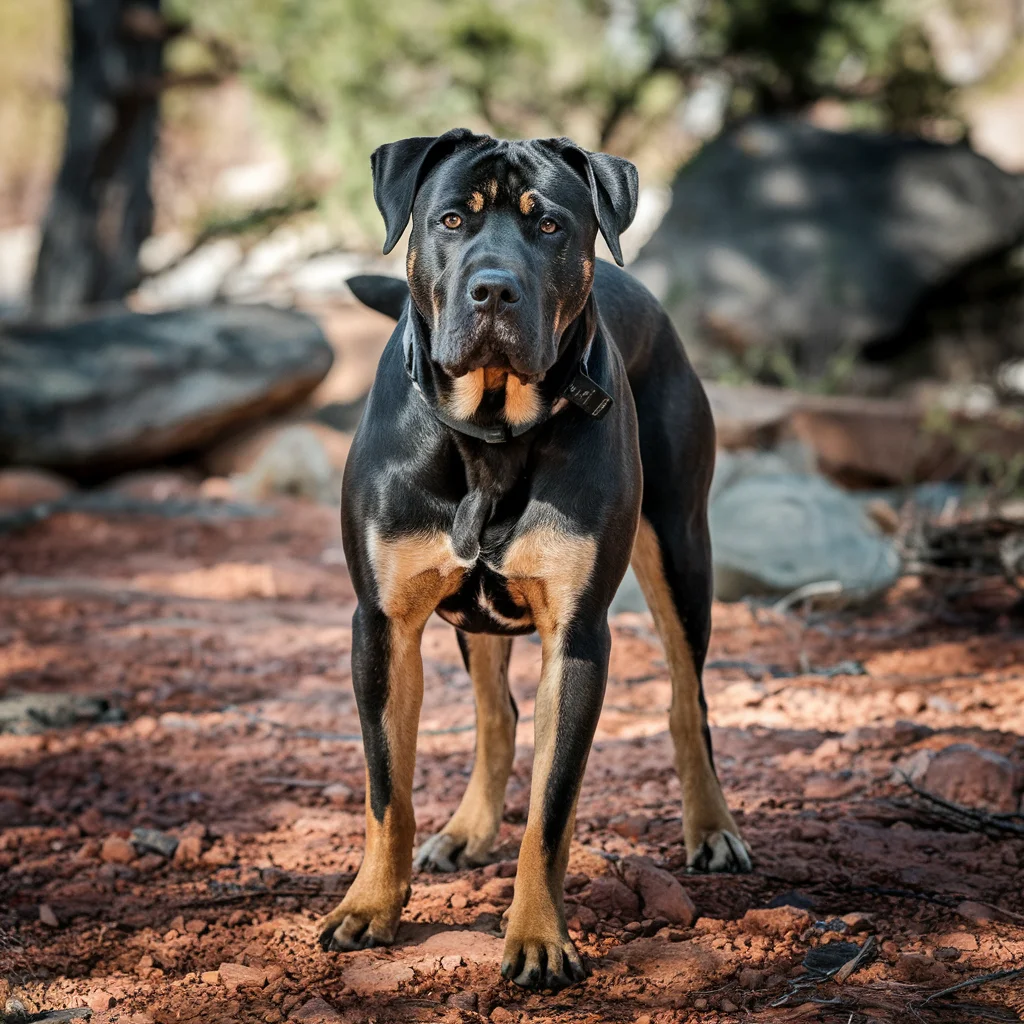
{"x":577,"y":387}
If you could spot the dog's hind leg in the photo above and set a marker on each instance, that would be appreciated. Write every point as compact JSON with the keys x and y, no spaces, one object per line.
{"x":468,"y":837}
{"x":673,"y":565}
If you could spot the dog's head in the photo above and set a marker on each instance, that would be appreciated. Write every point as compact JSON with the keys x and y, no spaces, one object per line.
{"x":501,"y":258}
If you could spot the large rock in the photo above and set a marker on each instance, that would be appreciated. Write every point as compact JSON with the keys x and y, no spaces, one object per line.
{"x":126,"y":389}
{"x":782,"y":234}
{"x":773,"y":532}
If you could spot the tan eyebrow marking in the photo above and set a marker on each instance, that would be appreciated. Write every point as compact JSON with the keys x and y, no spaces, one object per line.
{"x":492,"y":189}
{"x":526,"y":202}
{"x":476,"y":202}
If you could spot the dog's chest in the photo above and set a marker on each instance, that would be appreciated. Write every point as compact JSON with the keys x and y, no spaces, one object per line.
{"x":534,"y":581}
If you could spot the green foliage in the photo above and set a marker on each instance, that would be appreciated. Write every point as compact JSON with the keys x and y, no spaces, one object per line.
{"x":339,"y":77}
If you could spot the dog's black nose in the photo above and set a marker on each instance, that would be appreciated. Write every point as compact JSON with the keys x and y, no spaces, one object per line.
{"x":492,"y":290}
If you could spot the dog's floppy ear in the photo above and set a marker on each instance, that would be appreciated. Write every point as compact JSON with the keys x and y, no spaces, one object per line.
{"x":614,"y":188}
{"x":398,"y":170}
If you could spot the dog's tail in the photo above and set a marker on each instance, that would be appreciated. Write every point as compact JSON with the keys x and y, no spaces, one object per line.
{"x":387,"y":295}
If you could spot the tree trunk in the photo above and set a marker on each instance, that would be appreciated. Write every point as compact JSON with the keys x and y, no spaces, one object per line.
{"x":101,"y":209}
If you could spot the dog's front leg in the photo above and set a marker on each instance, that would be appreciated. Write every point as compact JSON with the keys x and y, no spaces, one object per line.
{"x":538,"y":950}
{"x":387,"y":675}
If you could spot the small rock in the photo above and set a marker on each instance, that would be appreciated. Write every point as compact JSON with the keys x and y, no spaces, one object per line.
{"x":660,"y":893}
{"x":189,"y":850}
{"x":464,"y":1001}
{"x":776,"y":921}
{"x":974,"y":777}
{"x":91,"y":822}
{"x":317,"y":1011}
{"x":117,"y":850}
{"x":47,"y":916}
{"x":608,"y":897}
{"x":977,"y":912}
{"x":947,"y":953}
{"x":858,"y":923}
{"x":960,"y":940}
{"x":154,"y":840}
{"x":23,"y":488}
{"x":728,"y":1006}
{"x":210,"y":977}
{"x":340,"y":794}
{"x":630,"y":826}
{"x":99,"y":1000}
{"x":218,"y":856}
{"x":502,"y":1016}
{"x":832,"y":787}
{"x":459,"y":901}
{"x":196,"y":926}
{"x":452,"y":962}
{"x":751,"y":979}
{"x":908,"y":702}
{"x":233,"y":976}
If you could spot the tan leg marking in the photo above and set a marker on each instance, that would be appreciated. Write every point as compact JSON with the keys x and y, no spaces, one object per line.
{"x":476,"y":202}
{"x":705,"y":813}
{"x":371,"y":909}
{"x":467,"y":394}
{"x":468,"y":837}
{"x":546,"y":569}
{"x":526,"y":202}
{"x":522,"y":401}
{"x":413,"y":573}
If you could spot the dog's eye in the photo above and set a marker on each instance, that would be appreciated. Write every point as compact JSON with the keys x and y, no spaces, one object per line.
{"x":452,"y":221}
{"x":548,"y":226}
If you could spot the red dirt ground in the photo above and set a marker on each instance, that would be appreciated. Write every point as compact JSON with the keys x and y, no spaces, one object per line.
{"x":226,"y":646}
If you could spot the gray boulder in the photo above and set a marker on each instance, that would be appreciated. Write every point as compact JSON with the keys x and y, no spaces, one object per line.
{"x":126,"y":389}
{"x":773,"y":532}
{"x":783,"y":234}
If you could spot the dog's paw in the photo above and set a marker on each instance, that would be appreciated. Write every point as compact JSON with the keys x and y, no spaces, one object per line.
{"x":539,"y":964}
{"x":354,"y":932}
{"x":342,"y":931}
{"x":720,"y":852}
{"x":445,"y":852}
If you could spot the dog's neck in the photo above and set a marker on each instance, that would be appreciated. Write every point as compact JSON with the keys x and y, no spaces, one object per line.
{"x":566,"y":382}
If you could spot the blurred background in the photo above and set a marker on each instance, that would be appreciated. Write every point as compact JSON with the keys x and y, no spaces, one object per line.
{"x":832,"y":210}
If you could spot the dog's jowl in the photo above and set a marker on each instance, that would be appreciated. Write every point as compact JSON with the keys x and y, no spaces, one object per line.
{"x":533,"y":427}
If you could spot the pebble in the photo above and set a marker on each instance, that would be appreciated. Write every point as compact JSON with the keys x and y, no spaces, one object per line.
{"x":660,"y":892}
{"x":317,"y":1011}
{"x":154,"y":840}
{"x":188,"y":852}
{"x":630,"y":826}
{"x":117,"y":850}
{"x":340,"y":794}
{"x":233,"y":976}
{"x":776,"y":921}
{"x":100,"y":999}
{"x":974,"y":777}
{"x":464,"y":1001}
{"x":47,"y":916}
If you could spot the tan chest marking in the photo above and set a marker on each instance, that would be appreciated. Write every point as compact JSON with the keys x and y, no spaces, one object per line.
{"x":522,"y":401}
{"x":467,"y":394}
{"x":546,"y":570}
{"x":414,"y":572}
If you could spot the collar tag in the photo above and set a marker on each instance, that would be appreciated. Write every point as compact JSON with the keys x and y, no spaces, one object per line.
{"x":587,"y":394}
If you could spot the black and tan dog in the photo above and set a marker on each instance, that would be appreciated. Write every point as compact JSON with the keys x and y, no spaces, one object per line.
{"x":533,"y":426}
